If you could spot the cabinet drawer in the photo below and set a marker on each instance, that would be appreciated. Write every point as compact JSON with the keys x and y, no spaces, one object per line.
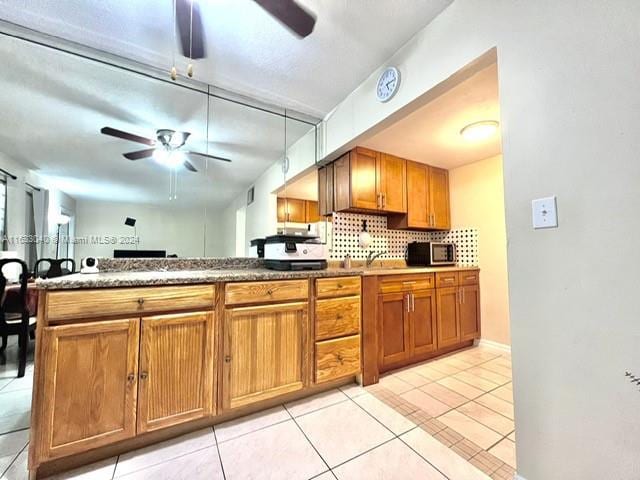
{"x":336,"y":317}
{"x":405,"y":283}
{"x":446,"y":279}
{"x":104,"y":302}
{"x":471,"y":277}
{"x":337,"y":287}
{"x":337,"y":358}
{"x":258,"y":292}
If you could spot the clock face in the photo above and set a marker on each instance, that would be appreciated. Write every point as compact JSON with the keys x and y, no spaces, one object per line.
{"x":388,"y":84}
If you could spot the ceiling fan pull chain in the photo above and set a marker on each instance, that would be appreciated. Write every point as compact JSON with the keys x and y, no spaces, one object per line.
{"x":190,"y":66}
{"x":174,"y":71}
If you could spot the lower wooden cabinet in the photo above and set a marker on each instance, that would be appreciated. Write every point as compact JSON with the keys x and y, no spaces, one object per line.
{"x":176,"y":369}
{"x":469,"y":312}
{"x":337,"y":358}
{"x":448,"y":320}
{"x":264,"y":352}
{"x":422,"y":320}
{"x":91,"y":388}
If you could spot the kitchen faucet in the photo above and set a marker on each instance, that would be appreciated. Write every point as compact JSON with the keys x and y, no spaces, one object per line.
{"x":372,"y":256}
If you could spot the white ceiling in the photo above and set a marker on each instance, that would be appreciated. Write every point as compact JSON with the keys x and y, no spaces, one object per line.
{"x":249,"y":52}
{"x":431,"y":134}
{"x":57,"y":103}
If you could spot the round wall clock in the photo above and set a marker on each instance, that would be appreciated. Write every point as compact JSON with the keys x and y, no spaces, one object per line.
{"x":388,"y":84}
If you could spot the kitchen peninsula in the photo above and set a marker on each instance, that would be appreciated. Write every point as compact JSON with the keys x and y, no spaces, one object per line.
{"x":129,"y":358}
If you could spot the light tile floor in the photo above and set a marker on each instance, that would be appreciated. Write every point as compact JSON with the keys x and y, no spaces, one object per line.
{"x":426,"y":422}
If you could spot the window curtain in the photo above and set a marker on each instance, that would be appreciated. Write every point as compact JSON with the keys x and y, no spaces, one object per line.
{"x":40,"y":209}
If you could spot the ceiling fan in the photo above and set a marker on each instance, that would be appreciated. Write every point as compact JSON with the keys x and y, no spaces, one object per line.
{"x":189,"y":22}
{"x":165,"y":150}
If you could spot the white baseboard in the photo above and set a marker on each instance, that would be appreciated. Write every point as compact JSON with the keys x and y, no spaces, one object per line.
{"x":518,"y":477}
{"x":492,"y":344}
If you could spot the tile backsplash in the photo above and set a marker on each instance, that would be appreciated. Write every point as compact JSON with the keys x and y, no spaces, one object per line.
{"x":347,"y":228}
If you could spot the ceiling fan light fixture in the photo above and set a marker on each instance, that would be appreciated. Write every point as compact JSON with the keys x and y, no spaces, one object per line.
{"x":168,"y":158}
{"x":479,"y":130}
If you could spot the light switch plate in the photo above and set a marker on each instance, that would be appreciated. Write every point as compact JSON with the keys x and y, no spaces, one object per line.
{"x":545,"y":213}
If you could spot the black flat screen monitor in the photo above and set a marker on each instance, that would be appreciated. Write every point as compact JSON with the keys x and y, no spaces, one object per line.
{"x":139,"y":253}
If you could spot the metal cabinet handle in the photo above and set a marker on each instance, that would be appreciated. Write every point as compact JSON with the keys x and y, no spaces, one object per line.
{"x":413,"y":302}
{"x":141,"y":301}
{"x":384,"y":200}
{"x":144,"y":375}
{"x":269,"y":292}
{"x":131,"y":377}
{"x":227,"y":358}
{"x":462,"y":290}
{"x":339,"y":316}
{"x":408,"y":303}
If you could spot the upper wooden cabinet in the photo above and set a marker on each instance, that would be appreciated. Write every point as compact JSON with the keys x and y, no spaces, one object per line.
{"x":296,"y":210}
{"x":176,"y":369}
{"x":366,"y":180}
{"x":427,"y":199}
{"x":92,"y":372}
{"x":325,"y":190}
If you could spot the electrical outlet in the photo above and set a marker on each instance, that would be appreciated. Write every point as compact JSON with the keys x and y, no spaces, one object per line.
{"x":545,"y":213}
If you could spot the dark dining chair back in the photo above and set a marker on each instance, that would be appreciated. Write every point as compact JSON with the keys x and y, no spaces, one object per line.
{"x":15,"y":318}
{"x":55,"y":267}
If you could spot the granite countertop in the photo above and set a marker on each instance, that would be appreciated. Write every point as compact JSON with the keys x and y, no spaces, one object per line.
{"x":181,"y":277}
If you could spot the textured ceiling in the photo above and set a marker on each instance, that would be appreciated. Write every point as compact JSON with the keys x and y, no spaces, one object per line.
{"x":249,"y":52}
{"x":431,"y":134}
{"x":57,"y":104}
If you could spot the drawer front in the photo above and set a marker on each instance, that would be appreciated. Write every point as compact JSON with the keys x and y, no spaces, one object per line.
{"x":104,"y":302}
{"x":260,"y":292}
{"x":337,"y":287}
{"x":337,"y":317}
{"x":337,"y":358}
{"x":396,"y":283}
{"x":446,"y":279}
{"x":471,"y":277}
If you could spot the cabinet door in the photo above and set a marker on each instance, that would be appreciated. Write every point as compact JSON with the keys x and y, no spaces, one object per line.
{"x":90,"y":394}
{"x":297,"y":210}
{"x":325,"y":190}
{"x":447,"y":316}
{"x":282,"y":209}
{"x":312,"y":215}
{"x":176,"y":369}
{"x":264,"y":352}
{"x":439,"y":198}
{"x":342,"y":183}
{"x":391,"y":181}
{"x":364,"y":194}
{"x":417,"y":195}
{"x":394,"y":325}
{"x":469,"y":312}
{"x":423,"y":322}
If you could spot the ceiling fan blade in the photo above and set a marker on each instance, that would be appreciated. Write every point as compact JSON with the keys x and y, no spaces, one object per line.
{"x":222,"y":159}
{"x":189,"y":23}
{"x":139,"y":154}
{"x":127,"y":136}
{"x":291,"y":15}
{"x":189,"y":166}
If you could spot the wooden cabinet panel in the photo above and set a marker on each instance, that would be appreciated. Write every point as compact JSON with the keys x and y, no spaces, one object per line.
{"x":260,"y":292}
{"x":292,"y":210}
{"x":337,"y":358}
{"x":90,"y":387}
{"x":312,"y":213}
{"x":336,"y":317}
{"x":342,"y":183}
{"x":282,"y":209}
{"x":325,"y":190}
{"x":176,"y":370}
{"x":391,"y":178}
{"x":423,"y":322}
{"x":439,"y":198}
{"x":417,"y":195}
{"x":264,"y":352}
{"x":83,"y":304}
{"x":337,"y":287}
{"x":446,"y":279}
{"x":448,"y":324}
{"x":469,"y":312}
{"x":469,"y":277}
{"x":394,"y":327}
{"x":405,"y":283}
{"x":364,"y":166}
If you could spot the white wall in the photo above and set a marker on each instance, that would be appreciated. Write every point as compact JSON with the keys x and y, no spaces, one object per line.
{"x":570,"y":107}
{"x":177,"y":230}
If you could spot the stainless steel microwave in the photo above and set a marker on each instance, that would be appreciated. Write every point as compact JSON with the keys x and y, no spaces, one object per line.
{"x":431,"y":254}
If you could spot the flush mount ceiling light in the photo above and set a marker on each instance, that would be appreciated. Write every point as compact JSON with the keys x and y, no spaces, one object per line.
{"x":479,"y":130}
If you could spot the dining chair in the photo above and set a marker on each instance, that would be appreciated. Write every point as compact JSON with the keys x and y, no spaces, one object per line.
{"x":15,"y":318}
{"x":55,"y":267}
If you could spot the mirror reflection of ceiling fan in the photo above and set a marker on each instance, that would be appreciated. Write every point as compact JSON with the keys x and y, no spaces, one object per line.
{"x":166,"y":150}
{"x":189,"y":22}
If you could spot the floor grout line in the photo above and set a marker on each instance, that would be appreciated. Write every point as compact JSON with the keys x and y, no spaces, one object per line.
{"x":308,"y":440}
{"x":224,"y":475}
